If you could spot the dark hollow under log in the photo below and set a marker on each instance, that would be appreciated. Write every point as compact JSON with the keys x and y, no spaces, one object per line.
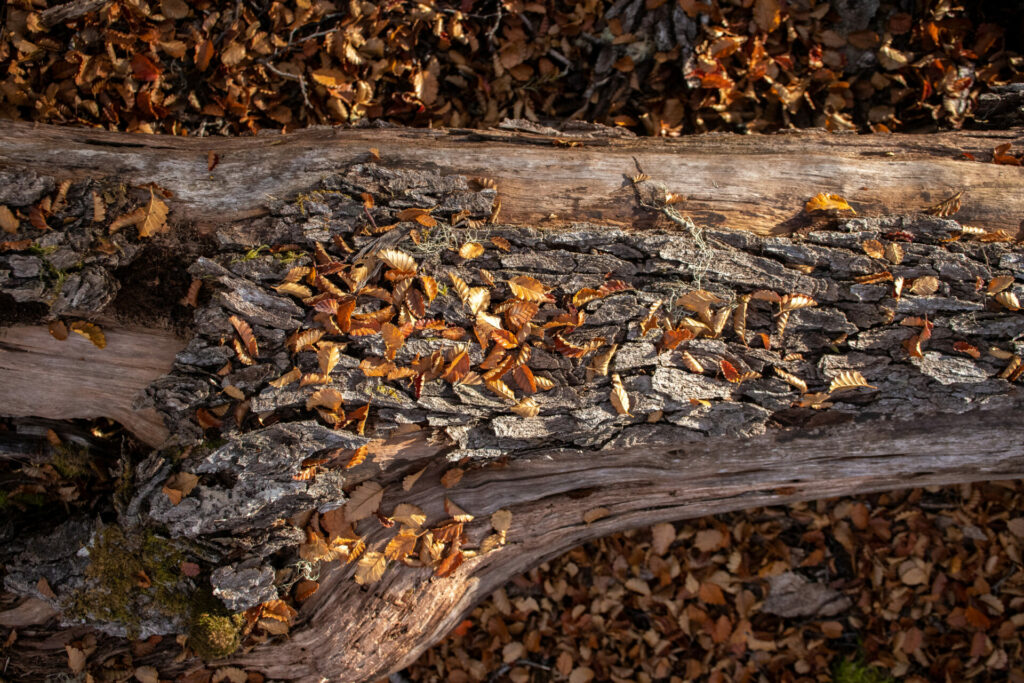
{"x":693,"y":370}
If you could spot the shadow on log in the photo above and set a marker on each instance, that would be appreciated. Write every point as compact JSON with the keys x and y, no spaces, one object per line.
{"x":391,"y":401}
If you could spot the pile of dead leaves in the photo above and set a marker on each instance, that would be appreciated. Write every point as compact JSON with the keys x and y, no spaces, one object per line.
{"x":921,"y":585}
{"x":655,"y":66}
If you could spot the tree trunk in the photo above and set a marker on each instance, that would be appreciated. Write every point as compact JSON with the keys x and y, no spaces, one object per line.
{"x":758,"y":354}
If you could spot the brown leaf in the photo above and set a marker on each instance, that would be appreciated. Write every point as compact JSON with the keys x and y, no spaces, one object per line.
{"x":452,"y":477}
{"x":363,"y":501}
{"x":144,"y":68}
{"x":471,"y":250}
{"x":925,"y":286}
{"x":410,"y":480}
{"x":370,"y":568}
{"x":76,"y":659}
{"x":848,"y":379}
{"x":825,"y":202}
{"x":8,"y":223}
{"x":619,"y":397}
{"x":58,"y":330}
{"x":91,"y":332}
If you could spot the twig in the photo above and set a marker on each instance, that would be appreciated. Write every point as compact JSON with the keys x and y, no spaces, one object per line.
{"x":69,"y":11}
{"x":290,"y":77}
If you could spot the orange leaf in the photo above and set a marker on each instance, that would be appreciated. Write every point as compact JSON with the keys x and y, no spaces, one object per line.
{"x":825,"y":202}
{"x":144,"y":68}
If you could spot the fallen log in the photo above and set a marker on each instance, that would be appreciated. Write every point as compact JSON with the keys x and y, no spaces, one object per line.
{"x":390,"y":400}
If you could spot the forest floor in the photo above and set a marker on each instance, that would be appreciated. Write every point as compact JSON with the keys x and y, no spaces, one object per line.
{"x":918,"y":585}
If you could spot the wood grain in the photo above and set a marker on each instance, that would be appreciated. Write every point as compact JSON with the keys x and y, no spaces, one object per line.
{"x":45,"y":377}
{"x":755,"y":183}
{"x":349,"y":626}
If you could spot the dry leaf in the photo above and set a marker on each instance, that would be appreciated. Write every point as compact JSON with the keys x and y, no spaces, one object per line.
{"x":825,"y":202}
{"x":792,"y":302}
{"x":925,"y":286}
{"x":8,"y":223}
{"x":398,"y":260}
{"x":287,"y":378}
{"x":1008,"y":300}
{"x":999,"y":283}
{"x":305,"y":589}
{"x":149,"y":220}
{"x":363,"y":501}
{"x":792,"y":380}
{"x":409,"y":515}
{"x":245,"y":332}
{"x":76,"y":659}
{"x":527,"y":407}
{"x":662,"y":537}
{"x":619,"y":397}
{"x":848,"y":379}
{"x":91,"y":332}
{"x":452,"y":477}
{"x":873,"y":248}
{"x":501,"y":520}
{"x":471,"y":250}
{"x":58,"y":330}
{"x":410,"y":480}
{"x":894,"y":253}
{"x":528,"y":289}
{"x":370,"y":568}
{"x":947,"y":207}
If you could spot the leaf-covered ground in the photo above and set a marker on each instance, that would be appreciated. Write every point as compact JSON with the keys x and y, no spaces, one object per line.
{"x":919,"y":585}
{"x":660,"y":67}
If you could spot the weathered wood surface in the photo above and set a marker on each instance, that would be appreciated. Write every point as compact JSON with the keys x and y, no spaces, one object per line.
{"x":695,"y":443}
{"x":753,"y":183}
{"x":68,"y":379}
{"x":349,"y":628}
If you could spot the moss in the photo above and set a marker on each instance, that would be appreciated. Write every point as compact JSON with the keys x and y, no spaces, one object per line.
{"x":856,"y":671}
{"x":3,"y":499}
{"x":72,"y":463}
{"x":131,"y":573}
{"x":37,"y":250}
{"x":289,"y":256}
{"x":214,"y":634}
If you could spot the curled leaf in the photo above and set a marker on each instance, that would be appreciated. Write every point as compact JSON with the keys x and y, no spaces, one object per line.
{"x":527,"y":407}
{"x":792,"y":380}
{"x":848,"y":379}
{"x":91,"y":332}
{"x":825,"y":202}
{"x":619,"y":397}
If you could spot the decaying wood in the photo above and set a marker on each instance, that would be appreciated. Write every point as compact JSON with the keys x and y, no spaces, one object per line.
{"x":44,"y":377}
{"x":896,"y":369}
{"x":741,"y":182}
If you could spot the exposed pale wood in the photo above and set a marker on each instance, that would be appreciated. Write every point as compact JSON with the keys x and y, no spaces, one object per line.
{"x":743,"y":182}
{"x":74,"y":379}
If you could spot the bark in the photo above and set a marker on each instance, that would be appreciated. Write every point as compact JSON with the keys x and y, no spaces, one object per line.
{"x":691,"y":442}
